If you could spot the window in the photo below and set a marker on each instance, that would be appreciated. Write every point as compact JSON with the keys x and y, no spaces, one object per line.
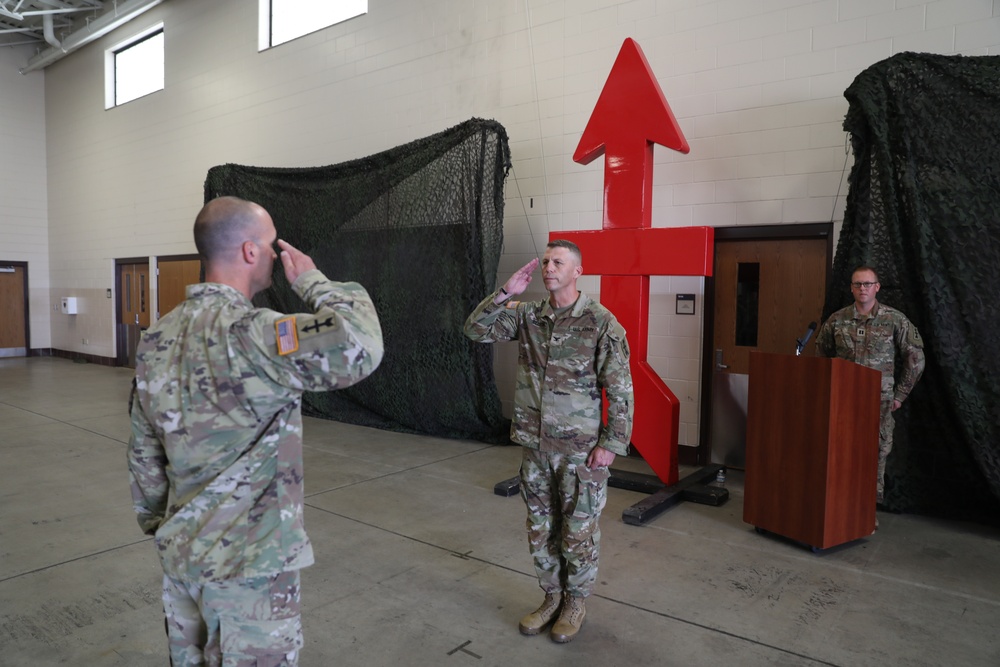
{"x":747,"y":303}
{"x":283,"y":20}
{"x":134,"y":68}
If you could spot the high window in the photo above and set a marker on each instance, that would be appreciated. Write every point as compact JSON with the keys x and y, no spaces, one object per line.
{"x":134,"y":68}
{"x":284,"y":20}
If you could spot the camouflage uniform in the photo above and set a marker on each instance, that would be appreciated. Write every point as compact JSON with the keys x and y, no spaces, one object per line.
{"x":215,"y":457}
{"x":565,"y":360}
{"x":250,"y":622}
{"x":873,"y":340}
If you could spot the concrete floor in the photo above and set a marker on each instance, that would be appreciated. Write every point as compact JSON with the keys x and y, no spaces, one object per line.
{"x":419,"y":563}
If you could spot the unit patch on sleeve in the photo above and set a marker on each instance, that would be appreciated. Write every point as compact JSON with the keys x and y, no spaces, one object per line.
{"x":288,"y":337}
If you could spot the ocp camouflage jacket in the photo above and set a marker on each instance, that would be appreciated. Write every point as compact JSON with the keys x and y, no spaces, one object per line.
{"x":564,"y":363}
{"x":215,"y":457}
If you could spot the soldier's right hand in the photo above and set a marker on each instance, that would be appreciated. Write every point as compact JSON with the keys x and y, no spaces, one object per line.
{"x":519,"y":282}
{"x":294,"y":260}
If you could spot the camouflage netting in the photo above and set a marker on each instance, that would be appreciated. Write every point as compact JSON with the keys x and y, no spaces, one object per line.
{"x":924,"y":209}
{"x":421,"y":227}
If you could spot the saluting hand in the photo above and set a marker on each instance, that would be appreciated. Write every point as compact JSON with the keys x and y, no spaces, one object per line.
{"x":294,"y":260}
{"x":519,"y":282}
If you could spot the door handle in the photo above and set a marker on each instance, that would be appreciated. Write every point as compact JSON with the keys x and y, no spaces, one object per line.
{"x":719,"y":366}
{"x":137,"y":318}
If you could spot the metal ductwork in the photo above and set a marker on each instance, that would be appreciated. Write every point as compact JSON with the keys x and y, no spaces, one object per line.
{"x":121,"y":13}
{"x":50,"y":35}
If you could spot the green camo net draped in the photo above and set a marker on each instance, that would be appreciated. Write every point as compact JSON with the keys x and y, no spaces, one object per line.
{"x":421,"y":227}
{"x":924,"y":209}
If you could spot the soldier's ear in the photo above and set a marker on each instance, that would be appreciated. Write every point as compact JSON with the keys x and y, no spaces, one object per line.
{"x":249,"y":251}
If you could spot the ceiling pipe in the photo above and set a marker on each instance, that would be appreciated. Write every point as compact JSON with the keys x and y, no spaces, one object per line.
{"x":48,"y":32}
{"x":96,"y":29}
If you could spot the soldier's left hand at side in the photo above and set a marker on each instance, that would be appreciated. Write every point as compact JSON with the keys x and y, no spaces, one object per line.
{"x":600,"y":458}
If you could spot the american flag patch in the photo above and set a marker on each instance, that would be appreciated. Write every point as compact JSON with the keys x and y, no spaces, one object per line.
{"x":288,"y":337}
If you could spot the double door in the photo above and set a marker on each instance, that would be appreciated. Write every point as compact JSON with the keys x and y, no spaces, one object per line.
{"x":173,"y":275}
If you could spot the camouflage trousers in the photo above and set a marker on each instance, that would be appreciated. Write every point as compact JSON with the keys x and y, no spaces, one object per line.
{"x":886,"y":424}
{"x":234,"y":623}
{"x":564,"y":500}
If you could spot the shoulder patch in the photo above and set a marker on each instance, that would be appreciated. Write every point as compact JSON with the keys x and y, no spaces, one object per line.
{"x":617,"y":343}
{"x":512,"y":305}
{"x":286,"y":334}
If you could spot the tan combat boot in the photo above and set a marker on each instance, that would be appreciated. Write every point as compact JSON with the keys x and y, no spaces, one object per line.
{"x":569,"y":621}
{"x":534,"y":622}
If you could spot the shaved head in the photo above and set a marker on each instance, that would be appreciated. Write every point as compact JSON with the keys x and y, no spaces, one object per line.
{"x":236,"y":239}
{"x":223,"y":224}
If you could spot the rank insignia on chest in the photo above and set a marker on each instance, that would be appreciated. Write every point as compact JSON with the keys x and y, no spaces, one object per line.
{"x":287,"y":336}
{"x":861,"y":332}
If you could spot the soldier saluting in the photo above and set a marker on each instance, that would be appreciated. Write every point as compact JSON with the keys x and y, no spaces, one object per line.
{"x":215,"y":457}
{"x":570,"y":349}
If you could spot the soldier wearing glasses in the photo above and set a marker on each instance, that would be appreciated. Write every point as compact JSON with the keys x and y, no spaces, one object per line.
{"x":873,"y":334}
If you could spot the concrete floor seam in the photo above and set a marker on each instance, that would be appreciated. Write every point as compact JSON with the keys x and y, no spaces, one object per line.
{"x":73,"y":560}
{"x":468,"y":556}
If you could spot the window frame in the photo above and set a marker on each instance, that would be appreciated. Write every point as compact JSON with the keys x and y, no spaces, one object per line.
{"x":110,"y":69}
{"x":264,"y":29}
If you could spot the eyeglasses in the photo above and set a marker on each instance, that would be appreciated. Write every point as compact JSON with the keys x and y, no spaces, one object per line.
{"x":865,"y":285}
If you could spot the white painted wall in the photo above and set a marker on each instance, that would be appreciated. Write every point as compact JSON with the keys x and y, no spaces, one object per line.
{"x":757,"y":86}
{"x":23,"y":206}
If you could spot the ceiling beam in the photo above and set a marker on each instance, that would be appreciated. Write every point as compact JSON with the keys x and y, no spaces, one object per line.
{"x":102,"y":25}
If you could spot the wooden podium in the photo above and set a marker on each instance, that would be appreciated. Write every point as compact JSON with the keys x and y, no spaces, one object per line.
{"x":812,"y":448}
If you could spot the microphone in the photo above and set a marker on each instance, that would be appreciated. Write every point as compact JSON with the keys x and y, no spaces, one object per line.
{"x":805,"y":338}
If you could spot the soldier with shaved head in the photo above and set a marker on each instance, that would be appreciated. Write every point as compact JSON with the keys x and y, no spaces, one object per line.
{"x":215,"y":457}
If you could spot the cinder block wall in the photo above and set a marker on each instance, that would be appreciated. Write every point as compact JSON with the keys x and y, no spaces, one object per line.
{"x":757,"y":86}
{"x":23,"y":205}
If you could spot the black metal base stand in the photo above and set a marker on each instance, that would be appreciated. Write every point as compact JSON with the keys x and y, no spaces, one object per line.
{"x":696,"y":488}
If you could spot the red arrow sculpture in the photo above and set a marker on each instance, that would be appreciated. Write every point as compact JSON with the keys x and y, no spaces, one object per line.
{"x":630,"y":116}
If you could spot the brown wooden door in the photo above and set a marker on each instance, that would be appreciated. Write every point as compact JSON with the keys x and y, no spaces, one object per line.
{"x":13,"y":311}
{"x":766,"y":294}
{"x":767,"y":291}
{"x":134,"y":308}
{"x":134,"y":290}
{"x":173,"y":277}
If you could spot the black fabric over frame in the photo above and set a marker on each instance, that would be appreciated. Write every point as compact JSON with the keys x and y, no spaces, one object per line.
{"x":924,"y":209}
{"x":420,"y":226}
